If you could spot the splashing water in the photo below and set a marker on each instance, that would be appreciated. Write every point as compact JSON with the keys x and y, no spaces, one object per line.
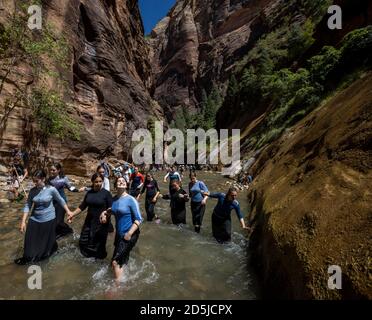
{"x":168,"y":262}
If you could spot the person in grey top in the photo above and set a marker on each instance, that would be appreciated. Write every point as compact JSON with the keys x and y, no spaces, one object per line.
{"x":40,"y":238}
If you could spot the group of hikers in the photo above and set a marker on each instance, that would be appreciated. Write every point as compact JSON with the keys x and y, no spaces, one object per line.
{"x":47,"y":208}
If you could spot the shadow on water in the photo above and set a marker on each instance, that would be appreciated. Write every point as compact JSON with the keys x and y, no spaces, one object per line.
{"x":168,"y":262}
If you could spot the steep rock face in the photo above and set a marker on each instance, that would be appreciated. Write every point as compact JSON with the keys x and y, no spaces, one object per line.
{"x":311,"y":202}
{"x":109,"y":77}
{"x":196,"y":45}
{"x":355,"y":14}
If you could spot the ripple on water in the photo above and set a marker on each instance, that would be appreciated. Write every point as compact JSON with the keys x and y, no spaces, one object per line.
{"x":167,"y":263}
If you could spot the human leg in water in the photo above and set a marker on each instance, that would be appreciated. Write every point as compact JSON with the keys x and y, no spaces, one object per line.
{"x":197,"y":210}
{"x":121,"y":254}
{"x":178,"y":216}
{"x":150,"y":208}
{"x":221,"y":228}
{"x":39,"y":243}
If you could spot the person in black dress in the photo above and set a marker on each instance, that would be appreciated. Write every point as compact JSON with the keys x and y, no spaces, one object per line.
{"x":93,"y":235}
{"x":152,"y":192}
{"x":178,"y":198}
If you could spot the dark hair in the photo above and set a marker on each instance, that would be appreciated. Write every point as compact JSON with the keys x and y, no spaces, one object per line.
{"x":150,"y":174}
{"x":95,"y":176}
{"x":39,"y":174}
{"x":100,"y":167}
{"x":231,"y":190}
{"x":59,"y":167}
{"x":192,"y":174}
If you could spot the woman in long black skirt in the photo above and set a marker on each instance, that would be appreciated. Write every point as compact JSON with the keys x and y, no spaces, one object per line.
{"x":93,"y":235}
{"x":58,"y":180}
{"x":221,"y":216}
{"x":198,"y":200}
{"x":152,"y":192}
{"x":178,"y":198}
{"x":40,"y":239}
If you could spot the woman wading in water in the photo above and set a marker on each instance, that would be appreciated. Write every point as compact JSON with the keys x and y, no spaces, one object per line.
{"x":93,"y":235}
{"x":221,"y":216}
{"x":152,"y":192}
{"x":40,"y":239}
{"x":128,"y":218}
{"x":198,"y":200}
{"x":178,"y":198}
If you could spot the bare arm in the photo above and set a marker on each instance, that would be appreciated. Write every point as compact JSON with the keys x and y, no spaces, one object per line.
{"x":132,"y":230}
{"x":23,"y":223}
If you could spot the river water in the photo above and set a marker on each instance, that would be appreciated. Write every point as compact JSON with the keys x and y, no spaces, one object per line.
{"x":168,"y":262}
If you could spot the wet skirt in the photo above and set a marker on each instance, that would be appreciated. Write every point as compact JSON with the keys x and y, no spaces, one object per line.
{"x":178,"y":216}
{"x":40,"y":241}
{"x":221,"y":228}
{"x":93,"y":239}
{"x":123,"y":248}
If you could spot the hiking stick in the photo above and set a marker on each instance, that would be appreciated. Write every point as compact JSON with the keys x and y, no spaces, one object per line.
{"x":20,"y":183}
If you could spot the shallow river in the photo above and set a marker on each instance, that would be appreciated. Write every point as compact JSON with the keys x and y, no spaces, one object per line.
{"x":168,"y":262}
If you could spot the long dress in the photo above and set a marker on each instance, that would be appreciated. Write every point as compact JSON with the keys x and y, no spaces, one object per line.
{"x":178,"y":206}
{"x":151,"y":188}
{"x":40,"y":238}
{"x":93,"y":235}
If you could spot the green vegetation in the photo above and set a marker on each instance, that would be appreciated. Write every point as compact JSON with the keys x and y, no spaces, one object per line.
{"x":324,"y":63}
{"x":205,"y":118}
{"x":39,"y":49}
{"x":52,"y":115}
{"x":209,"y":106}
{"x":357,"y":45}
{"x":292,"y":94}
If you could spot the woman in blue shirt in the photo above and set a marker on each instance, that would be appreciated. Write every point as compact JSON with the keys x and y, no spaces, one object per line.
{"x":58,"y":180}
{"x":40,"y":238}
{"x":221,"y":216}
{"x":126,"y":210}
{"x":198,"y":200}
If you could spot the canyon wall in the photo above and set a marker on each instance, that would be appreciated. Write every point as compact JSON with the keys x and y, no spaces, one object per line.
{"x":108,"y":77}
{"x":196,"y":46}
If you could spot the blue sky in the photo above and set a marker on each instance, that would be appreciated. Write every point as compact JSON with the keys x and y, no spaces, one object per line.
{"x":153,"y":11}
